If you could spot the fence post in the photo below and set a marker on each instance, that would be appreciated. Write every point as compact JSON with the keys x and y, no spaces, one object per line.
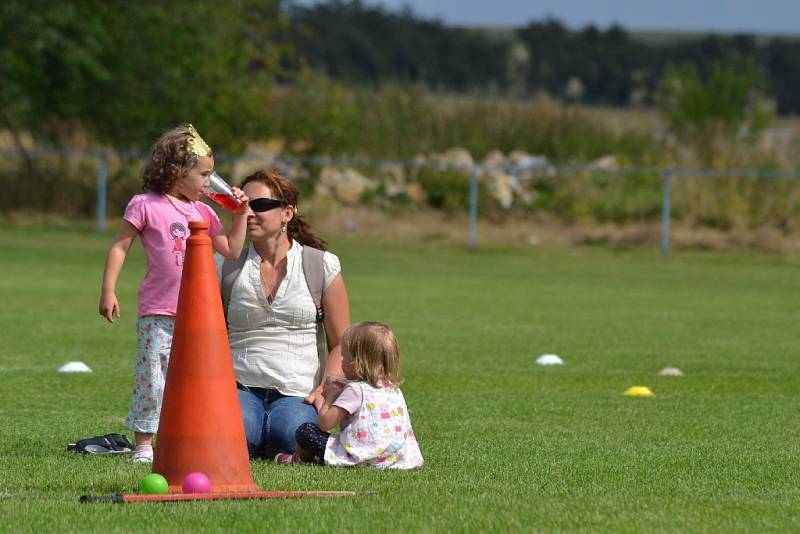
{"x":665,"y":213}
{"x":102,"y":179}
{"x":473,"y":207}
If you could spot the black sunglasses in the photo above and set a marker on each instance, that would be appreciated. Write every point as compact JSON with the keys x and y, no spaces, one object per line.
{"x":265,"y":204}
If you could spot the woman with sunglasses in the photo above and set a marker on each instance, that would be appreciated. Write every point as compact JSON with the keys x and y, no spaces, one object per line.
{"x":272,"y":319}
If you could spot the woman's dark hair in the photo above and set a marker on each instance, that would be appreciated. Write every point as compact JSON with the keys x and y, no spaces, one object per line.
{"x":282,"y":189}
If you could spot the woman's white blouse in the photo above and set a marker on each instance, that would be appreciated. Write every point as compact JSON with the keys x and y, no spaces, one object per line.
{"x":275,"y":345}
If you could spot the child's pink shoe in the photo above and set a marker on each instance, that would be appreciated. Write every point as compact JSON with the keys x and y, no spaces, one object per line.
{"x":287,"y":458}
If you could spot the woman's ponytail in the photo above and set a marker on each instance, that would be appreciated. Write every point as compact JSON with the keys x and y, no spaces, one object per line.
{"x":299,"y":230}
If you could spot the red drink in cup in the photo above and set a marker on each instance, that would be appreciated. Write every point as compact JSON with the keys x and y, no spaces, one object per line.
{"x":220,"y":192}
{"x":229,"y":202}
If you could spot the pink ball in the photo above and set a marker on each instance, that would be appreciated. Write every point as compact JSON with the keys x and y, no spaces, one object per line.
{"x":196,"y":483}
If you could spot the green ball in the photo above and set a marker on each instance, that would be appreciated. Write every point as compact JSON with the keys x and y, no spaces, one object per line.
{"x":154,"y":484}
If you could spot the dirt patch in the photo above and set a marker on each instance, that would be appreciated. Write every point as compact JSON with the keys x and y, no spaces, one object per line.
{"x":430,"y":226}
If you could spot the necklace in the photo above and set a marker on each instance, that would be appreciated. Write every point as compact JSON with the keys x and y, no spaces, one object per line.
{"x":270,"y":288}
{"x":181,"y":209}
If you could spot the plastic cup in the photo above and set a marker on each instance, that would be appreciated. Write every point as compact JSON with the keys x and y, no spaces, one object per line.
{"x":220,"y":192}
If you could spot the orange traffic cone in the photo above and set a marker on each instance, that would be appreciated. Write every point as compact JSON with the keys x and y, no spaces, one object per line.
{"x":201,"y":426}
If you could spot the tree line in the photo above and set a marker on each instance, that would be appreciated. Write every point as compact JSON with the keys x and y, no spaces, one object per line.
{"x":366,"y":44}
{"x":120,"y":73}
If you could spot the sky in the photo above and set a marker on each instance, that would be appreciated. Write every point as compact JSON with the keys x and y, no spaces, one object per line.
{"x":724,"y":16}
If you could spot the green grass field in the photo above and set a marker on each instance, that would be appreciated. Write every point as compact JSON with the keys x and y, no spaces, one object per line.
{"x":509,"y":445}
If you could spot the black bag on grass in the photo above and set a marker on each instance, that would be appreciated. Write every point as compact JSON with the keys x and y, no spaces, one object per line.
{"x":108,"y":444}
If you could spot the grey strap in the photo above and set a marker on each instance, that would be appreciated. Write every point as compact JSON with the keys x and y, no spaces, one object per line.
{"x":313,"y":268}
{"x":315,"y":275}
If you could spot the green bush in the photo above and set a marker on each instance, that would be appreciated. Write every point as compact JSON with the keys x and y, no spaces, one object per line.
{"x":709,"y":111}
{"x":320,"y":116}
{"x":446,"y":190}
{"x":600,"y":197}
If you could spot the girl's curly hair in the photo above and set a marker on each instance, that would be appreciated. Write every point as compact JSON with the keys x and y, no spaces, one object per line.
{"x":170,"y":159}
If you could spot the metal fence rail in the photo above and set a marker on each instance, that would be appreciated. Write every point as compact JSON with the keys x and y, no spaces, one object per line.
{"x":474,"y":171}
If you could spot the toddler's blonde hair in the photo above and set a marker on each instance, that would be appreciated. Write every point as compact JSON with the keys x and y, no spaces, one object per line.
{"x":375,"y":353}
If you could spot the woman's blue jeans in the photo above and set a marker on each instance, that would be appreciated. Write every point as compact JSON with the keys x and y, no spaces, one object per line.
{"x":271,"y":419}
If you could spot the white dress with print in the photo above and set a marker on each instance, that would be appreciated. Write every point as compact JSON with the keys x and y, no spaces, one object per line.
{"x":377,"y":434}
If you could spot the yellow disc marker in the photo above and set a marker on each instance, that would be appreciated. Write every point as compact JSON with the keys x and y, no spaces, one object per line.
{"x":639,"y":391}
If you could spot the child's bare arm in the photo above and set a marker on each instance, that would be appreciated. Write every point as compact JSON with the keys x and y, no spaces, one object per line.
{"x":330,"y":416}
{"x":230,"y":245}
{"x":109,"y":306}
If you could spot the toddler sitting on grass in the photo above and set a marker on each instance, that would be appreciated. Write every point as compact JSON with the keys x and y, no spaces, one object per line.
{"x":371,"y":411}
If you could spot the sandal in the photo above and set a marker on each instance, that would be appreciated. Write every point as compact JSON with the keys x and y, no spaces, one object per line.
{"x":144,"y":456}
{"x":287,"y":458}
{"x":294,"y":458}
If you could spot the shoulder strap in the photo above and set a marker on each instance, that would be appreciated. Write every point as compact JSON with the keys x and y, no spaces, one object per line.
{"x":230,"y":272}
{"x":315,"y":276}
{"x":315,"y":279}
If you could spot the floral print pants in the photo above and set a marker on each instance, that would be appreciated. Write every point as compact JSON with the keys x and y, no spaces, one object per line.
{"x":154,"y":341}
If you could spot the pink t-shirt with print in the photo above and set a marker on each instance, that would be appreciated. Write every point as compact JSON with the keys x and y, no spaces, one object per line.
{"x":163,"y":225}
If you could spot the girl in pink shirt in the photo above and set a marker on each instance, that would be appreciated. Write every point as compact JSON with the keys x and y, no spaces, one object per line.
{"x":176,"y":174}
